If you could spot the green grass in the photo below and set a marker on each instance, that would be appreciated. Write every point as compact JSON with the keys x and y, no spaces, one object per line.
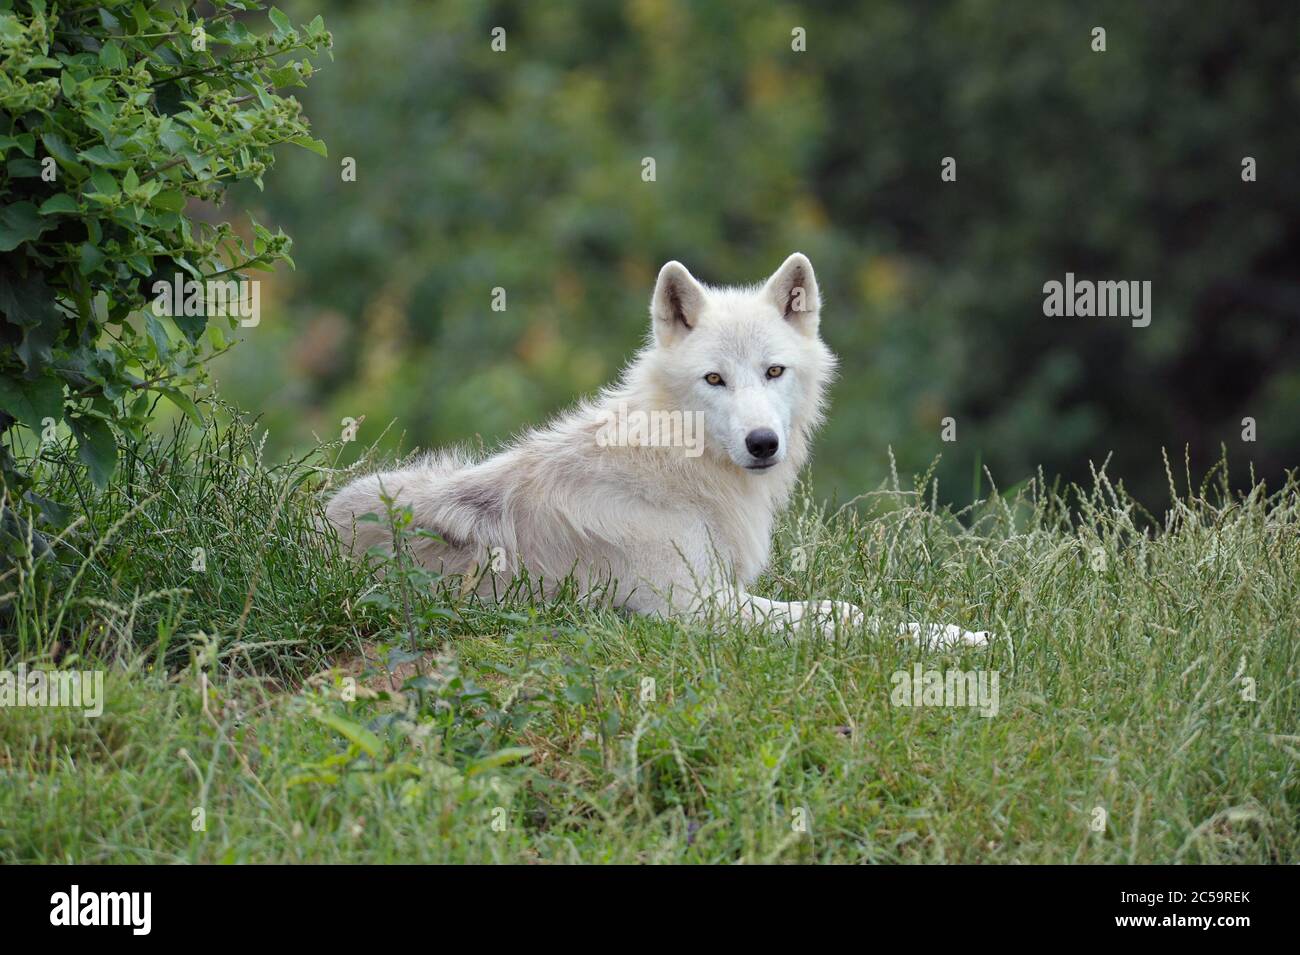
{"x":1122,"y":675}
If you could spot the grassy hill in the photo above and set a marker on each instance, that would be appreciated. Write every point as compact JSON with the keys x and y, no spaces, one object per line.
{"x":1146,"y":672}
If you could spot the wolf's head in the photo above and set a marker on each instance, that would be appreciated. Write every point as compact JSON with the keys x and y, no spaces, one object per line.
{"x":748,"y":362}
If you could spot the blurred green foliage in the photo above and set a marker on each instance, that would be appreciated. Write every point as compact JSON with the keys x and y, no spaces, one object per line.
{"x":522,"y":169}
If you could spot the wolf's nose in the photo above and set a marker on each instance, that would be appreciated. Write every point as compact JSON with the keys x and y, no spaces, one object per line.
{"x":762,"y":442}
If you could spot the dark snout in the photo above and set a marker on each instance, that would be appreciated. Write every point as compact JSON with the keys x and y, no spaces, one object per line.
{"x":762,"y":443}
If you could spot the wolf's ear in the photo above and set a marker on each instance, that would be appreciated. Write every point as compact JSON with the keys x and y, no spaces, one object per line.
{"x":676,"y":304}
{"x":793,"y":290}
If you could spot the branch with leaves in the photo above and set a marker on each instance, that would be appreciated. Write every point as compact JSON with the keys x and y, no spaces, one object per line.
{"x":115,"y":118}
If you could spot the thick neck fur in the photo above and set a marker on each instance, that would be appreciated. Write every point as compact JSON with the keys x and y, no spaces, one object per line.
{"x":740,"y":507}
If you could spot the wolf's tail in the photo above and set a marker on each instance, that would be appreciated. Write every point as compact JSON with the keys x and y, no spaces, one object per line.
{"x":415,"y":486}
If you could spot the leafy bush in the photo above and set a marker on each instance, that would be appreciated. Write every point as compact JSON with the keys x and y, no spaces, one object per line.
{"x":118,"y":122}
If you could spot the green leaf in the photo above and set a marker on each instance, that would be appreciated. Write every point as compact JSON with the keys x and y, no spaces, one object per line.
{"x":315,"y":145}
{"x":31,"y":402}
{"x":62,"y":202}
{"x":502,"y":757}
{"x":24,"y":141}
{"x":368,"y":741}
{"x":281,"y":22}
{"x":111,"y":56}
{"x":161,"y":340}
{"x":170,"y":200}
{"x":103,"y":156}
{"x":96,"y":447}
{"x":578,"y":693}
{"x":91,"y":258}
{"x":29,"y":304}
{"x":182,"y":401}
{"x":54,"y":512}
{"x":56,"y":147}
{"x":19,"y":223}
{"x":105,"y":182}
{"x":23,"y":168}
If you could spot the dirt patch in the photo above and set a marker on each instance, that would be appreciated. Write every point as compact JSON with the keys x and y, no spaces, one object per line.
{"x":373,"y":675}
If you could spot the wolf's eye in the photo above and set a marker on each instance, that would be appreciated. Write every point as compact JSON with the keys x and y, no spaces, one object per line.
{"x":776,"y":371}
{"x":714,"y":379}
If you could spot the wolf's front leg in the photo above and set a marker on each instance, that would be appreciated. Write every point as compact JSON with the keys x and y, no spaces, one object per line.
{"x":935,"y":636}
{"x":828,"y":616}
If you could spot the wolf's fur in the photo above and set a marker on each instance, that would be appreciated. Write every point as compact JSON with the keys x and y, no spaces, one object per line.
{"x":659,"y":529}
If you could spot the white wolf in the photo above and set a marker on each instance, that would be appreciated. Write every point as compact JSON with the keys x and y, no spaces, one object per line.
{"x":659,"y":494}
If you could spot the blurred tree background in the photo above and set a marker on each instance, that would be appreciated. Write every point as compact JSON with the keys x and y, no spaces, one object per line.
{"x":522,"y":169}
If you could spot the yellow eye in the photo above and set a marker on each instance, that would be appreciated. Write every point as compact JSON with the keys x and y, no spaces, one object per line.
{"x":713,"y":378}
{"x":776,"y":371}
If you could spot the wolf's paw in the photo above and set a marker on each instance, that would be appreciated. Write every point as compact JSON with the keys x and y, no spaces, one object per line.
{"x":945,"y":636}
